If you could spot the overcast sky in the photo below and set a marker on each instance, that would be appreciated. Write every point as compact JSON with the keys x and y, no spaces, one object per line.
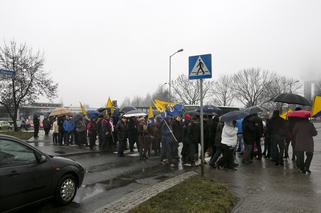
{"x":99,"y":49}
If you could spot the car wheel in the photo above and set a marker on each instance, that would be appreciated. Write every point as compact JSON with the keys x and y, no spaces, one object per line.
{"x":66,"y":189}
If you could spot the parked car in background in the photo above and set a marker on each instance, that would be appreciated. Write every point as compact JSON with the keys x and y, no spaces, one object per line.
{"x":5,"y":125}
{"x":28,"y":175}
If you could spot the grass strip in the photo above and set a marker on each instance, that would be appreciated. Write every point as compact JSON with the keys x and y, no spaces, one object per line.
{"x":21,"y":135}
{"x":195,"y":194}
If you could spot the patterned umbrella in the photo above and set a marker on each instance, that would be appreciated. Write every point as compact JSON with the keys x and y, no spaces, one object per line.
{"x":60,"y":111}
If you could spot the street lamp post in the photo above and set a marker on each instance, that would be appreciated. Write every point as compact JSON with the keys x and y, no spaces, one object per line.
{"x":170,"y":74}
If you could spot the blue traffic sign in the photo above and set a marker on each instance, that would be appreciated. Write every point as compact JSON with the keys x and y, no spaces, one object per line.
{"x":200,"y":66}
{"x":8,"y":73}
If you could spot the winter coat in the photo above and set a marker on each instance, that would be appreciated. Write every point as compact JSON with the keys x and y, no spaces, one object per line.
{"x":46,"y":123}
{"x":81,"y":126}
{"x":194,"y":132}
{"x":55,"y":127}
{"x":229,"y":135}
{"x":69,"y":126}
{"x":106,"y":127}
{"x":121,"y":129}
{"x":178,"y":130}
{"x":303,"y":133}
{"x":239,"y":125}
{"x":218,"y":134}
{"x":92,"y":128}
{"x":276,"y":127}
{"x":252,"y":129}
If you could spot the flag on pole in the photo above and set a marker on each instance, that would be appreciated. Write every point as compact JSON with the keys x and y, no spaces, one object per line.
{"x":83,"y":111}
{"x":150,"y":112}
{"x":316,"y":107}
{"x":109,"y":106}
{"x":162,"y":106}
{"x":284,"y":115}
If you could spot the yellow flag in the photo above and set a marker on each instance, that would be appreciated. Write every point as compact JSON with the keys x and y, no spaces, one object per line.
{"x":83,"y":111}
{"x":316,"y":107}
{"x":162,"y":106}
{"x":109,"y":105}
{"x":284,"y":115}
{"x":150,"y":112}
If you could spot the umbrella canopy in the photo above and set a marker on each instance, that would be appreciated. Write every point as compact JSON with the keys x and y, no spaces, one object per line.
{"x":299,"y":114}
{"x":60,"y":111}
{"x":127,"y":109}
{"x":254,"y":110}
{"x":209,"y":109}
{"x":233,"y":116}
{"x":92,"y":113}
{"x":290,"y":98}
{"x":134,"y":113}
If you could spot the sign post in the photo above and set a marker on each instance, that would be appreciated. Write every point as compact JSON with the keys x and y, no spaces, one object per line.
{"x":200,"y":67}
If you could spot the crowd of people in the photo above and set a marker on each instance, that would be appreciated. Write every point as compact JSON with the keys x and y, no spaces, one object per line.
{"x":222,"y":140}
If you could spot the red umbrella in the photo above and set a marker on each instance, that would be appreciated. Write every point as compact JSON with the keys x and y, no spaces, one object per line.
{"x":299,"y":114}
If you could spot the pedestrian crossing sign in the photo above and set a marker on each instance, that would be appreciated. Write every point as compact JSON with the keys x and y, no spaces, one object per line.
{"x":200,"y":66}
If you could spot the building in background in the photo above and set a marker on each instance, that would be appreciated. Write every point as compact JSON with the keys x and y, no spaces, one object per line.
{"x":312,"y":89}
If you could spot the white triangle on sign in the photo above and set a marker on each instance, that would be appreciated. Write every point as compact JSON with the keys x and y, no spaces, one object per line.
{"x":200,"y":68}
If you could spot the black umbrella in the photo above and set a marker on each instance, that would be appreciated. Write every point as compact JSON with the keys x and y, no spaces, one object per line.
{"x":127,"y":109}
{"x":209,"y":109}
{"x":290,"y":98}
{"x":233,"y":116}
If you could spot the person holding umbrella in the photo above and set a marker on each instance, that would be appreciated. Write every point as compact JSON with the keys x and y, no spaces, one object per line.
{"x":277,"y":131}
{"x":303,"y":133}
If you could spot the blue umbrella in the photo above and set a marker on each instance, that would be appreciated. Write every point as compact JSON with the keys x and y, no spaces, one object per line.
{"x":92,"y":113}
{"x":233,"y":116}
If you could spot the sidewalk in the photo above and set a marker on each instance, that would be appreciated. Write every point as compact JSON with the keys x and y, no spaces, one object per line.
{"x":44,"y":143}
{"x":264,"y":187}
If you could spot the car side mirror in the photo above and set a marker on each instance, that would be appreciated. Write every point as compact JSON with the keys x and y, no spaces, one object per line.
{"x":42,"y":159}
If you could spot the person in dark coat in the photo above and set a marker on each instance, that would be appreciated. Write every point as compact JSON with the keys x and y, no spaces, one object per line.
{"x":249,"y":138}
{"x":81,"y":129}
{"x":156,"y":133}
{"x":121,"y":129}
{"x":92,"y":132}
{"x":166,"y":141}
{"x":106,"y":134}
{"x":303,"y":133}
{"x":186,"y":141}
{"x":144,"y":139}
{"x":217,"y":144}
{"x":61,"y":121}
{"x":277,"y":131}
{"x":132,"y":133}
{"x":36,"y":125}
{"x":178,"y":133}
{"x":259,"y":130}
{"x":46,"y":125}
{"x":194,"y":133}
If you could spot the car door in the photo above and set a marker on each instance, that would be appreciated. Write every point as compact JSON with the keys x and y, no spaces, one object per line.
{"x":20,"y":175}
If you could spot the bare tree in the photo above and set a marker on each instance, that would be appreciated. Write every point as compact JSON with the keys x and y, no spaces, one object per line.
{"x":161,"y":93}
{"x":250,"y":85}
{"x":222,"y":92}
{"x":29,"y":82}
{"x":137,"y":101}
{"x":126,"y":102}
{"x":187,"y":91}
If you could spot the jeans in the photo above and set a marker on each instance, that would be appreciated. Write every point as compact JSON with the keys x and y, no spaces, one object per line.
{"x":240,"y":143}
